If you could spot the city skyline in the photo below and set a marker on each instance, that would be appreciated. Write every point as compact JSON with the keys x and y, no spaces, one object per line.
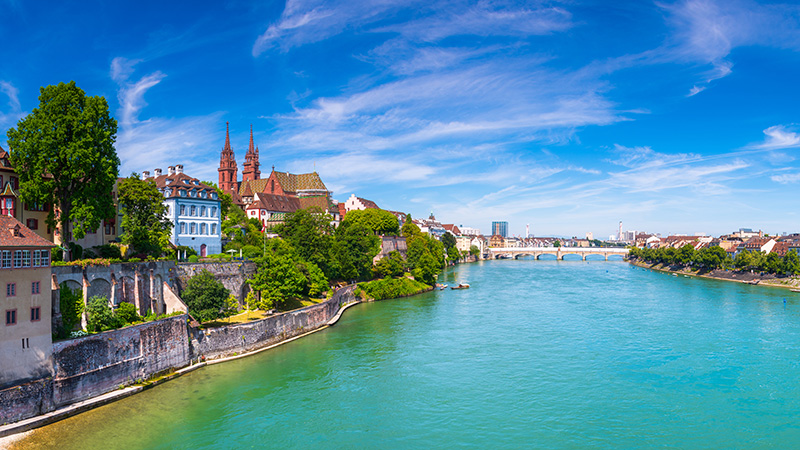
{"x":568,"y":116}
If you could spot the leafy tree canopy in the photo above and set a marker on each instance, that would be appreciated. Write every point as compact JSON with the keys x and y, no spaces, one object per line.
{"x":64,"y":155}
{"x":379,"y":221}
{"x":147,"y":228}
{"x":205,"y":296}
{"x":310,"y":232}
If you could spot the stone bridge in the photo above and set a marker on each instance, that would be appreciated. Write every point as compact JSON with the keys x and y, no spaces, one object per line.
{"x":558,"y":252}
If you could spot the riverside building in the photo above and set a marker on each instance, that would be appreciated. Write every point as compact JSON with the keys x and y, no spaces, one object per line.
{"x":25,"y":336}
{"x":193,"y":209}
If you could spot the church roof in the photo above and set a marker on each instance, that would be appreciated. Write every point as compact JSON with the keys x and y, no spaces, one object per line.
{"x":275,"y":203}
{"x":248,"y":188}
{"x":320,"y":202}
{"x":291,"y":182}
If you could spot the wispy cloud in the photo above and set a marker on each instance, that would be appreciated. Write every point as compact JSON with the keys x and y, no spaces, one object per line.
{"x":155,"y":142}
{"x":778,"y":137}
{"x":14,"y":112}
{"x":787,"y":178}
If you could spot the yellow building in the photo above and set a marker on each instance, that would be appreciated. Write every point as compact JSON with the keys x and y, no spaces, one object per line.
{"x":25,"y":302}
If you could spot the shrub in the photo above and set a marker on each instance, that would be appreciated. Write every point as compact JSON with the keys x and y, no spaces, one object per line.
{"x":205,"y":296}
{"x":126,"y":313}
{"x":71,"y":303}
{"x":391,"y":288}
{"x":101,"y":317}
{"x":193,"y":259}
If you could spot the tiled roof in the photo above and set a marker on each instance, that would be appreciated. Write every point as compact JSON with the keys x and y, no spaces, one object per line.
{"x":15,"y":234}
{"x":180,"y":180}
{"x":318,"y":201}
{"x":249,"y":187}
{"x":342,"y":210}
{"x":275,"y":203}
{"x":291,"y":182}
{"x":369,"y":204}
{"x":452,"y":228}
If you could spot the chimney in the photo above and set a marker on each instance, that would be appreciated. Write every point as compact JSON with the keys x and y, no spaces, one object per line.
{"x":179,"y":168}
{"x":156,"y":172}
{"x":145,"y":174}
{"x":171,"y":170}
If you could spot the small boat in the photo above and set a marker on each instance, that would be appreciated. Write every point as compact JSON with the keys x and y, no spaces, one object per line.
{"x":795,"y":290}
{"x":440,"y":286}
{"x":461,"y":286}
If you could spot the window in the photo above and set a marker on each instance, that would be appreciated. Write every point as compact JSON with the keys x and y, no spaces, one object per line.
{"x":110,"y":228}
{"x":15,"y":182}
{"x":214,"y":211}
{"x":194,"y":210}
{"x":183,"y":193}
{"x":183,"y":210}
{"x":213,"y":228}
{"x":17,"y":259}
{"x":193,"y":193}
{"x":26,"y":258}
{"x":203,"y":211}
{"x":11,"y":317}
{"x":35,"y":288}
{"x":193,"y":228}
{"x":214,"y":195}
{"x":183,"y":227}
{"x":33,"y":224}
{"x":36,"y":314}
{"x":36,"y":207}
{"x":37,"y":258}
{"x":202,"y":228}
{"x":6,"y":259}
{"x":11,"y":289}
{"x":45,"y":258}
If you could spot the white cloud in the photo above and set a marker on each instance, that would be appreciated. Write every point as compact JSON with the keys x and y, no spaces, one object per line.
{"x":14,"y":112}
{"x":788,"y":178}
{"x":155,"y":142}
{"x":778,"y":137}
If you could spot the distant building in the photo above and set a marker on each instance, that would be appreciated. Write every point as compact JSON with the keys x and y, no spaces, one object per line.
{"x":358,"y":203}
{"x":469,"y":231}
{"x":747,"y":233}
{"x":497,"y":241}
{"x":193,"y":209}
{"x":25,"y":335}
{"x":500,"y":229}
{"x":590,"y":236}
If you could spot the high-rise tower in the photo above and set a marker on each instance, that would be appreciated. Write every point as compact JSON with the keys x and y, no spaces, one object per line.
{"x":227,"y":165}
{"x":251,"y":172}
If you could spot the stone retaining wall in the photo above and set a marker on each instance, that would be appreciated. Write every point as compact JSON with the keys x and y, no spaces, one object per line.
{"x":233,"y":275}
{"x":224,"y":341}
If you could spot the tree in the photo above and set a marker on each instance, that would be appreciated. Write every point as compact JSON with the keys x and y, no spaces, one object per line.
{"x":791,"y":263}
{"x":449,"y":243}
{"x":100,"y":315}
{"x":474,"y":250}
{"x":205,"y":296}
{"x":354,"y":247}
{"x":391,"y":265}
{"x":71,"y":303}
{"x":64,"y":155}
{"x":409,"y":229}
{"x":147,"y":228}
{"x":277,"y":279}
{"x":309,"y":231}
{"x":378,"y":220}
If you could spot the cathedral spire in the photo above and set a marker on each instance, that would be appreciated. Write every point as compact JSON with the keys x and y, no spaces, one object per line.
{"x":251,"y":172}
{"x":250,"y":149}
{"x":227,"y":138}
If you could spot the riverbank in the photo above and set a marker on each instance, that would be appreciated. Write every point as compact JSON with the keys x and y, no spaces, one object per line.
{"x":769,"y":280}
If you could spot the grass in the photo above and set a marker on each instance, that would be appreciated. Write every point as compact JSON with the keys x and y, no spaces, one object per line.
{"x":251,"y":315}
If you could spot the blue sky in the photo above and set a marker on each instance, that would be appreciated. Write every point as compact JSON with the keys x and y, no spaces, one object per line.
{"x":674,"y":117}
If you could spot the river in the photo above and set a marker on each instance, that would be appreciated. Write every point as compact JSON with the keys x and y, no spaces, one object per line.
{"x":537,"y":354}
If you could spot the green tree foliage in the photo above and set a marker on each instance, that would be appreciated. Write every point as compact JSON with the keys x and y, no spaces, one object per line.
{"x":71,"y":303}
{"x":277,"y":279}
{"x":449,"y":243}
{"x":409,"y":229}
{"x":147,"y":228}
{"x":100,"y":315}
{"x":241,"y":230}
{"x":474,"y":250}
{"x":231,"y":305}
{"x":711,"y":258}
{"x":392,"y":288}
{"x":126,"y":312}
{"x":425,"y":257}
{"x":205,"y":296}
{"x":378,"y":221}
{"x":392,"y":265}
{"x":791,"y":263}
{"x":310,"y":232}
{"x":354,"y":248}
{"x":64,"y":155}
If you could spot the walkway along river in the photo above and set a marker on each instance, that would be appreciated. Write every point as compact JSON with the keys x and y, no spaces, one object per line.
{"x":537,"y":354}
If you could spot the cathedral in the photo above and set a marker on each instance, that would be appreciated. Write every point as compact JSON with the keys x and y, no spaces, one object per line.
{"x":269,"y":199}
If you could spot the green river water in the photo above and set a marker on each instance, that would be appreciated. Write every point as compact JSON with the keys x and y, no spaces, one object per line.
{"x":537,"y":354}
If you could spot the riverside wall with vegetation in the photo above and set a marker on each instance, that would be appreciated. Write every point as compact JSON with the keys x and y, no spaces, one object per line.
{"x":228,"y":340}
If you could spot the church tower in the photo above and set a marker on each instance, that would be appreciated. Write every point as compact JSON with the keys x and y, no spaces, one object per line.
{"x":251,"y":172}
{"x":227,"y":166}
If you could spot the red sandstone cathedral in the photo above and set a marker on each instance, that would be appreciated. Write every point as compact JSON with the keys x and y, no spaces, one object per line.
{"x":271,"y":198}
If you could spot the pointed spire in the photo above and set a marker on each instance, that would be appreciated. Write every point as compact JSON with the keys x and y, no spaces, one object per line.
{"x":250,"y":149}
{"x":227,"y":137}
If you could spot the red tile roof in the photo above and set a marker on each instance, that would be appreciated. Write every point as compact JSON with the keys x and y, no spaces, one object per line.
{"x":275,"y":203}
{"x":15,"y":234}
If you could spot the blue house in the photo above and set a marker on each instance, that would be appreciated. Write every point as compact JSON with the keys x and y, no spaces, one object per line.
{"x":193,"y":208}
